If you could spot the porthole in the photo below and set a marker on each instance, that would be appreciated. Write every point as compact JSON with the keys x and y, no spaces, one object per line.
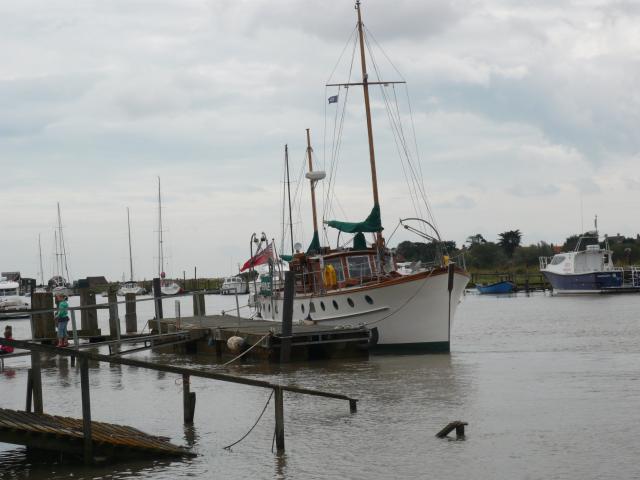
{"x":368,"y":299}
{"x":302,"y":307}
{"x":322,"y":306}
{"x":276,"y":308}
{"x":312,"y":307}
{"x":269,"y":308}
{"x":335,"y":305}
{"x":350,"y":302}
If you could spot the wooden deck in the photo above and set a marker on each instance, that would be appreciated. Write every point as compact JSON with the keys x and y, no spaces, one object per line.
{"x":50,"y":432}
{"x":307,"y":341}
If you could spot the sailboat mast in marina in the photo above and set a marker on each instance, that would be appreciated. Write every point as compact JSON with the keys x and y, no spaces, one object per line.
{"x":167,"y":287}
{"x":361,"y":285}
{"x":131,"y":286}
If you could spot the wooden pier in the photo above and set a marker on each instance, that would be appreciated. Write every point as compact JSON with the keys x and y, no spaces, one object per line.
{"x":65,"y":434}
{"x":307,"y":342}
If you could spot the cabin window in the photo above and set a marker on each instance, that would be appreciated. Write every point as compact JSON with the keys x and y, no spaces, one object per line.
{"x":359,"y":266}
{"x":368,"y":299}
{"x":322,"y":306}
{"x":557,"y":260}
{"x":350,"y":302}
{"x":336,"y":263}
{"x":335,"y":305}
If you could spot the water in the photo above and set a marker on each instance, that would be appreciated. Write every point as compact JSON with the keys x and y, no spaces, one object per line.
{"x":549,"y":386}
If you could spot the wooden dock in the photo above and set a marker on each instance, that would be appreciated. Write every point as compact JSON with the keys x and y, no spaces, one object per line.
{"x":65,"y":434}
{"x":308,"y":342}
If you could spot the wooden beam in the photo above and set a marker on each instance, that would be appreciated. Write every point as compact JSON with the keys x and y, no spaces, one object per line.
{"x":36,"y":377}
{"x":279,"y":411}
{"x":86,"y":410}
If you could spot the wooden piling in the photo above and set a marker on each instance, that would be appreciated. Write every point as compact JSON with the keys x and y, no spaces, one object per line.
{"x":287,"y":317}
{"x":188,"y":400}
{"x":457,"y":425}
{"x":157,"y":294}
{"x":42,"y":323}
{"x":279,"y":410}
{"x":131,"y":317}
{"x":36,"y":382}
{"x":29,"y":401}
{"x":89,"y":316}
{"x":114,"y":319}
{"x":86,"y":410}
{"x":199,"y":309}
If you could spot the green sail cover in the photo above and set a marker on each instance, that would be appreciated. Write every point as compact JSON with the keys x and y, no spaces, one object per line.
{"x":314,"y":247}
{"x":286,"y":258}
{"x":359,"y":242}
{"x":371,"y":224}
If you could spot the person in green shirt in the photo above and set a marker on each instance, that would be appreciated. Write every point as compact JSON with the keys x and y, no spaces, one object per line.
{"x":62,"y":320}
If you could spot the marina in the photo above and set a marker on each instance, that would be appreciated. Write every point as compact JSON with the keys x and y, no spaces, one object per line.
{"x":358,"y":233}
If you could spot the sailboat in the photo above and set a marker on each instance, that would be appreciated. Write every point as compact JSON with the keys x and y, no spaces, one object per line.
{"x":130,"y":286}
{"x":405,"y":312}
{"x":58,"y":283}
{"x":167,"y":287}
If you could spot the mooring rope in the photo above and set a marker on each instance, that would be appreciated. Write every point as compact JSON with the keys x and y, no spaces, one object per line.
{"x":228,"y":447}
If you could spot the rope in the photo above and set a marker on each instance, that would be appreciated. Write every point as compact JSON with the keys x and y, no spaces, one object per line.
{"x":228,"y":447}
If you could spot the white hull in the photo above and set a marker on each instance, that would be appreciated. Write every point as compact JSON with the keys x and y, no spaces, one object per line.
{"x":170,"y":288}
{"x":409,"y":314}
{"x":137,"y":290}
{"x":66,"y":291}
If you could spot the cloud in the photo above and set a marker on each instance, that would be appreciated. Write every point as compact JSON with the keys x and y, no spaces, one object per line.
{"x":533,"y":190}
{"x":463,"y":202}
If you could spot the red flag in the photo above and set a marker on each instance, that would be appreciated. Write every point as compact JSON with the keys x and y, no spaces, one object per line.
{"x":259,"y":258}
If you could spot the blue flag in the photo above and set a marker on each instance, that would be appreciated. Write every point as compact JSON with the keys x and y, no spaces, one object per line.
{"x":333,"y":99}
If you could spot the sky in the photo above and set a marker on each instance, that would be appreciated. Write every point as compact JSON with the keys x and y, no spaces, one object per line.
{"x":525,"y":113}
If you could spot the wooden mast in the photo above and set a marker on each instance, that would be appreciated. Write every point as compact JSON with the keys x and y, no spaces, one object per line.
{"x":286,"y":160}
{"x":160,"y":246}
{"x":367,"y":106}
{"x":313,"y":185}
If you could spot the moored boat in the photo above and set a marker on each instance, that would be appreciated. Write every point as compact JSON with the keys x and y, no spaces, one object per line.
{"x":11,"y":301}
{"x":496,"y":288}
{"x":407,"y":310}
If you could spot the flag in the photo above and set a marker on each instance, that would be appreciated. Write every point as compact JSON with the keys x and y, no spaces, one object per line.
{"x":333,"y":99}
{"x":259,"y":258}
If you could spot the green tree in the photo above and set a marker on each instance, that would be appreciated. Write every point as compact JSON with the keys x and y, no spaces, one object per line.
{"x":476,"y":239}
{"x":509,"y":241}
{"x":571,"y":242}
{"x":486,"y":256}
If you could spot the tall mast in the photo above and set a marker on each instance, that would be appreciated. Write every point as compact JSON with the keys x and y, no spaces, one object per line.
{"x":160,"y":247}
{"x":286,"y":161}
{"x":130,"y":254}
{"x":63,"y":250}
{"x":313,"y":185}
{"x":55,"y":252}
{"x":367,"y":106}
{"x":41,"y":269}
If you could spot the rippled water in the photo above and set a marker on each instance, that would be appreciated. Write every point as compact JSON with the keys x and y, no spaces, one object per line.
{"x":549,"y":386}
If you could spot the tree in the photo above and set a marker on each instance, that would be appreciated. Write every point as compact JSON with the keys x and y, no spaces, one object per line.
{"x":476,"y":239}
{"x":571,"y":242}
{"x":486,"y":256}
{"x":425,"y":252}
{"x":509,"y":241}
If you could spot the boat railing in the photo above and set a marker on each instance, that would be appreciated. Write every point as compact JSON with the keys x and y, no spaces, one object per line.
{"x":544,"y":261}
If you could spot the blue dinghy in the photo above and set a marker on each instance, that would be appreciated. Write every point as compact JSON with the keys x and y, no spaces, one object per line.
{"x":498,"y":287}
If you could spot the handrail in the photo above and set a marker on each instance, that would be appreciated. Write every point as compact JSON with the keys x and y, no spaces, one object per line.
{"x":34,"y":347}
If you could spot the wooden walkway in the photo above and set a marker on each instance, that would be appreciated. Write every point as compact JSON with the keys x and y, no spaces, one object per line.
{"x":50,"y":432}
{"x":307,"y":341}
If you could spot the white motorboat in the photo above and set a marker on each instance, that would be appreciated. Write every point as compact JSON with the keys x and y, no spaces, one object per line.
{"x":407,"y":310}
{"x":233,"y":285}
{"x":11,"y":301}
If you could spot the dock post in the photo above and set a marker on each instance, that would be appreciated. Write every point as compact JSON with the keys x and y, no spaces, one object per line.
{"x":157,"y":294}
{"x":36,"y":380}
{"x":279,"y":406}
{"x":29,"y":391}
{"x":43,"y":325}
{"x":188,"y":400}
{"x":76,"y":340}
{"x":131,"y":317}
{"x":88,"y":316}
{"x":114,"y":318}
{"x":86,"y":410}
{"x":287,"y":317}
{"x":198,"y":305}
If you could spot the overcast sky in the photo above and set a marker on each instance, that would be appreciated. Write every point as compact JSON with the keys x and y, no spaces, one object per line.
{"x":522,"y":110}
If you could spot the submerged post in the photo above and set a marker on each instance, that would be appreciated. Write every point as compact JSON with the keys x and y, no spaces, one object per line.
{"x":130,"y":316}
{"x":188,"y":399}
{"x":287,"y":317}
{"x":86,"y":409}
{"x":279,"y":407}
{"x":36,"y":379}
